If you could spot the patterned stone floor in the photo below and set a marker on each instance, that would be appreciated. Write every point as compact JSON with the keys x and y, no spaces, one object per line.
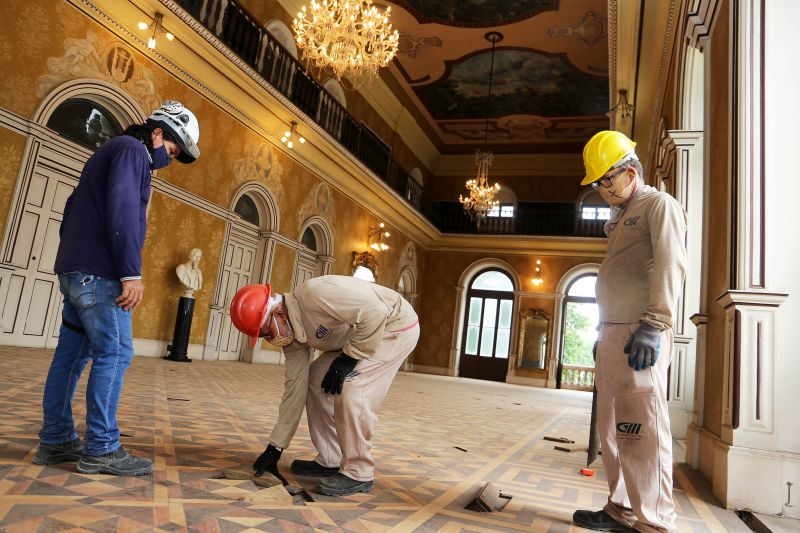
{"x":437,"y":440}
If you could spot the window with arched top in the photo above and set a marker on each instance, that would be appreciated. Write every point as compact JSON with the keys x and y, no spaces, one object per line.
{"x":580,"y":319}
{"x":84,"y":122}
{"x":309,"y":240}
{"x":246,"y":208}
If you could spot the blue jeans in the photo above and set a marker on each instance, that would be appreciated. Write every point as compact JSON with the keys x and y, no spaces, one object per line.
{"x":93,"y":327}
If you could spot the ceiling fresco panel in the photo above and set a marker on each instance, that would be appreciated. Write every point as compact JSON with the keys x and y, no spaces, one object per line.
{"x":550,"y":86}
{"x":481,"y":13}
{"x":526,"y":82}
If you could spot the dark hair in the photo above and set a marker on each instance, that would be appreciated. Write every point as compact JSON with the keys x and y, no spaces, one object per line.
{"x":142,"y":132}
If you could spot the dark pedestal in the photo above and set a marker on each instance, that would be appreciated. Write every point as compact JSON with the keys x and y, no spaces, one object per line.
{"x":177,"y":351}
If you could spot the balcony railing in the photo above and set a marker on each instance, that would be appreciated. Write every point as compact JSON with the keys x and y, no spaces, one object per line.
{"x":234,"y":27}
{"x":544,"y":218}
{"x":577,"y":377}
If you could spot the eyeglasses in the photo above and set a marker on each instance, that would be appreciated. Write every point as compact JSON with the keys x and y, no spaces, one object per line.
{"x":605,"y":181}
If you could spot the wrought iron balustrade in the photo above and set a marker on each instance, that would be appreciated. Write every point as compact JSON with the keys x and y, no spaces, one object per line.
{"x":240,"y":32}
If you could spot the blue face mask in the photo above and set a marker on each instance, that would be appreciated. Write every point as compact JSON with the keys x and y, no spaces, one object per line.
{"x":160,"y":158}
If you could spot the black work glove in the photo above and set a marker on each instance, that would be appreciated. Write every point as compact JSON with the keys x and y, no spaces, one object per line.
{"x":642,"y":347}
{"x":267,"y":461}
{"x":340,"y":368}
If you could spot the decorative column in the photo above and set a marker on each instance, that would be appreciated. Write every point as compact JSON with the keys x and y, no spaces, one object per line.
{"x":455,"y":348}
{"x":681,"y":171}
{"x":758,"y":450}
{"x":700,"y":322}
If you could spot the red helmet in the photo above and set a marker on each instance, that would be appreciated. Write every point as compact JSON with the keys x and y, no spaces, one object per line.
{"x":249,"y":309}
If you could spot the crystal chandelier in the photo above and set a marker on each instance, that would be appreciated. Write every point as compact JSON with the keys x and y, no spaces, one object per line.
{"x":352,"y":38}
{"x":481,"y":194}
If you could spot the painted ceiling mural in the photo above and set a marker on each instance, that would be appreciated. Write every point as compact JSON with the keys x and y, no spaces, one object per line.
{"x":550,"y":90}
{"x":476,"y":12}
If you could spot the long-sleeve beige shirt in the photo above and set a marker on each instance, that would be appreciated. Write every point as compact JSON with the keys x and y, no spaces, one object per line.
{"x":641,"y":277}
{"x":333,"y":313}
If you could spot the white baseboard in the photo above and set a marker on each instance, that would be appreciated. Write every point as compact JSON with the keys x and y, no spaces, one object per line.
{"x":438,"y":370}
{"x":152,"y":348}
{"x":748,"y":478}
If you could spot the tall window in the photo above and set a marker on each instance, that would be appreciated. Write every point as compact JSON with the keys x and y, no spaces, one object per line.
{"x":580,"y":331}
{"x":488,"y":324}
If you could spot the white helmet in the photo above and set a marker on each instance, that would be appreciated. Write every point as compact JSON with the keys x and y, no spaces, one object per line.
{"x":182,"y":124}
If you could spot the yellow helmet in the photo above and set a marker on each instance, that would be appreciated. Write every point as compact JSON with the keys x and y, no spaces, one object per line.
{"x":603,"y":151}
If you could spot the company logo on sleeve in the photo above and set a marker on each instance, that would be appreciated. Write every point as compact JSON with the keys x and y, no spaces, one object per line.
{"x":322,"y":332}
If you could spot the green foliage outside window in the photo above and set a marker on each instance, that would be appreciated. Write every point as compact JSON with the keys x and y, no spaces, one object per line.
{"x":577,"y":350}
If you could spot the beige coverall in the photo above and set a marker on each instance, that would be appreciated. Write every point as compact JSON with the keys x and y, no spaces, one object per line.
{"x":366,"y":321}
{"x":639,"y":281}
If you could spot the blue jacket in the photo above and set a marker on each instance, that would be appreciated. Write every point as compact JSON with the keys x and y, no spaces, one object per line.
{"x":105,"y":222}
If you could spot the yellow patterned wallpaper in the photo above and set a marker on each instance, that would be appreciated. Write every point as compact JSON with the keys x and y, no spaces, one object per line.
{"x":442,"y":272}
{"x":174,"y":228}
{"x":11,"y":148}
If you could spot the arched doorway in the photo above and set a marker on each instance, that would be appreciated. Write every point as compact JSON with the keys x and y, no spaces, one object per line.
{"x":578,"y":334}
{"x":246,"y":259}
{"x":486,"y":326}
{"x":78,"y":117}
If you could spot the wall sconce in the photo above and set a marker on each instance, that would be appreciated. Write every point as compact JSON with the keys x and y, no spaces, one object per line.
{"x":287,"y":136}
{"x":378,"y":234}
{"x":622,"y":106}
{"x":537,"y":274}
{"x":157,"y":24}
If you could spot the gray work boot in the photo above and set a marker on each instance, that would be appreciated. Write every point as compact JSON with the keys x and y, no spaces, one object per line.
{"x":341,"y":485}
{"x":51,"y":454}
{"x":118,"y":463}
{"x":312,"y":469}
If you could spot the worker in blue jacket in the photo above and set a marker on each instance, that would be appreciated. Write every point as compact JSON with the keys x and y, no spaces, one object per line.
{"x":99,"y":267}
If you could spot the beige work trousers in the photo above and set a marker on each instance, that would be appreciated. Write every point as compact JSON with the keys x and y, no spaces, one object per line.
{"x":635,"y":437}
{"x":342,"y":425}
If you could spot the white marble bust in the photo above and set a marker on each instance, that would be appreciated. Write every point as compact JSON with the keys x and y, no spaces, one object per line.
{"x":189,"y":273}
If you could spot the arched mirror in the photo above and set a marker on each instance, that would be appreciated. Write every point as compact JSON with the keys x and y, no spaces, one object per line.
{"x":533,"y":330}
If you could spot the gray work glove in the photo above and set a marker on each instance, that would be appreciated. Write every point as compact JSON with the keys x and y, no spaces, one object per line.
{"x":642,"y":347}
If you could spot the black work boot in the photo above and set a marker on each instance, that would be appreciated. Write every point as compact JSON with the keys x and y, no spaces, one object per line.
{"x":51,"y":454}
{"x":118,"y":463}
{"x":598,"y":521}
{"x":312,"y":469}
{"x":341,"y":485}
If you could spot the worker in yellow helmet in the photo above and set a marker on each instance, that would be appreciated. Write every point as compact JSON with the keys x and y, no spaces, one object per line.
{"x":637,"y":291}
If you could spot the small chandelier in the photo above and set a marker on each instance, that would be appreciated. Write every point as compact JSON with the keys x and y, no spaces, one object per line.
{"x":622,"y":106}
{"x":157,"y":24}
{"x":481,"y":194}
{"x":291,"y":134}
{"x":352,"y":38}
{"x":378,"y":234}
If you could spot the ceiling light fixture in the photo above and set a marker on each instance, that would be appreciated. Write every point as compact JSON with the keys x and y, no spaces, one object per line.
{"x":157,"y":24}
{"x":481,"y":194}
{"x":352,"y":38}
{"x":290,"y":134}
{"x":622,"y":106}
